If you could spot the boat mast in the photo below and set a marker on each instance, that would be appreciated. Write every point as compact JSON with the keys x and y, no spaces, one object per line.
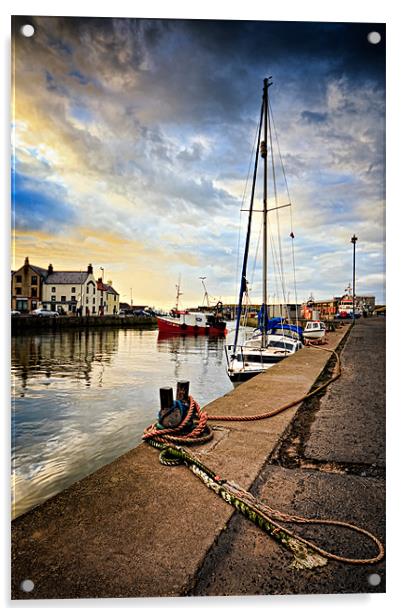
{"x":267,"y":83}
{"x":243,"y":281}
{"x":178,"y":294}
{"x":206,"y":297}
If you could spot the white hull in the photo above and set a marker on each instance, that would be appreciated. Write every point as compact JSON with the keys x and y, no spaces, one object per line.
{"x":251,"y":359}
{"x":314,"y":330}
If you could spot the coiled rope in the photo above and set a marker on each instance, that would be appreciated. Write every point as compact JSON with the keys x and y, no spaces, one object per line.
{"x":194,"y":430}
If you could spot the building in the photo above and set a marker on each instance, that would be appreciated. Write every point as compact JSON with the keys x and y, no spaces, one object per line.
{"x":112,"y":299}
{"x":27,"y":287}
{"x":71,"y":291}
{"x":328,"y":308}
{"x":290,"y":310}
{"x":108,"y":297}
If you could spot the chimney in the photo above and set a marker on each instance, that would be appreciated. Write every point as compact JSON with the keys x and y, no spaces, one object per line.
{"x":90,"y":269}
{"x":26,"y":263}
{"x":99,"y":279}
{"x":50,"y":269}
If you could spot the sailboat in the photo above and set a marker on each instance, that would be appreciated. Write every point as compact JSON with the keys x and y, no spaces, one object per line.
{"x":192,"y":322}
{"x":274,"y":339}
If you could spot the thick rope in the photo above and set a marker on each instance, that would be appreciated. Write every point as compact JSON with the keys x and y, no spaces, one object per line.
{"x":280,"y":409}
{"x":306,"y":553}
{"x":193,"y":430}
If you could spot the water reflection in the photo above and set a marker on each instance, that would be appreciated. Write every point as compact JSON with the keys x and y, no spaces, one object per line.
{"x":80,"y":399}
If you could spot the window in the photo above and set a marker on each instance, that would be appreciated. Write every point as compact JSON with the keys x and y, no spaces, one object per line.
{"x":87,"y":300}
{"x":53,"y":298}
{"x":73,"y":298}
{"x":18,"y":291}
{"x":18,"y":279}
{"x":53,"y":289}
{"x":72,"y":289}
{"x":63,"y":298}
{"x":34,"y":280}
{"x":34,"y":292}
{"x":93,"y":300}
{"x":87,"y":288}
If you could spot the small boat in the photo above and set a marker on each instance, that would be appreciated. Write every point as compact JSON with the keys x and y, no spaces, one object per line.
{"x":251,"y":358}
{"x":274,"y":339}
{"x":194,"y":323}
{"x":314,"y":330}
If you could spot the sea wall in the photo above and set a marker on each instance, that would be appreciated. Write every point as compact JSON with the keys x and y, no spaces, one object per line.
{"x":27,"y":324}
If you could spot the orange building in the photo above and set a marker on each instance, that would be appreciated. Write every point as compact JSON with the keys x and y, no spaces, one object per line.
{"x":26,"y":287}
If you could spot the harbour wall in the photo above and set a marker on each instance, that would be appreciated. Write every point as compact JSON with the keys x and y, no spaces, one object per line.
{"x":31,"y":324}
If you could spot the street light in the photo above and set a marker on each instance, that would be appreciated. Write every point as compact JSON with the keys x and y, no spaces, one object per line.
{"x":354,"y":240}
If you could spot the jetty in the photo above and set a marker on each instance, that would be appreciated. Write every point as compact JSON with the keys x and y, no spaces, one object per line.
{"x":136,"y":528}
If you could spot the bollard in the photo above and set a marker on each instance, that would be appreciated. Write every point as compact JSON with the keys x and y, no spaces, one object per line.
{"x":182,"y":390}
{"x":166,"y":397}
{"x":170,"y":415}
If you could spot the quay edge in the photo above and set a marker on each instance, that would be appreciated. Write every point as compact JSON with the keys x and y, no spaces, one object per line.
{"x":21,"y":325}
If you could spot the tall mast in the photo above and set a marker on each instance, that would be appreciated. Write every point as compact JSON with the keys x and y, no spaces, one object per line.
{"x":267,"y":83}
{"x":243,"y":281}
{"x":178,"y":293}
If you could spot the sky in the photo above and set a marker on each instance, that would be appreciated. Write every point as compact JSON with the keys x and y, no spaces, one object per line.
{"x":132,"y":141}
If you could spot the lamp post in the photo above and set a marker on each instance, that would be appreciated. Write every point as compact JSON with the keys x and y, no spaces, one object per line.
{"x":354,"y":240}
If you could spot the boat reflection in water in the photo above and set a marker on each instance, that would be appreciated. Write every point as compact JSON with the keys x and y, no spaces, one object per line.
{"x":81,"y":399}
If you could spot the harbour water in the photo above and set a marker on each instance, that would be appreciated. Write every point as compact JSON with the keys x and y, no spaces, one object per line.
{"x":80,"y":399}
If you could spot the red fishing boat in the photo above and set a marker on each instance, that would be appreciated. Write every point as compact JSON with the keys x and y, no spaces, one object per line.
{"x":195,"y":323}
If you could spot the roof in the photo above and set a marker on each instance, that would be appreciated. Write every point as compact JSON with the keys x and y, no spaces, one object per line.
{"x":67,"y":278}
{"x":39,"y":270}
{"x":110,"y":289}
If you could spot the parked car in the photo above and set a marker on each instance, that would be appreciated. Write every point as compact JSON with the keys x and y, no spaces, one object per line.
{"x":15,"y":313}
{"x":43,"y":312}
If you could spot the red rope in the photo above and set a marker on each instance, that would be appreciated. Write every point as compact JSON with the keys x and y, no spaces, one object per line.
{"x":198,"y":435}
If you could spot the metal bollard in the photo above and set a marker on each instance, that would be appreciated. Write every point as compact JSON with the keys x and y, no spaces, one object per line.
{"x":170,"y":415}
{"x":182,"y":390}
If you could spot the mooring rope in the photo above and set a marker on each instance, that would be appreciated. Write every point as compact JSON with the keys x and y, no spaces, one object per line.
{"x":280,"y":409}
{"x":194,"y":430}
{"x":306,"y":554}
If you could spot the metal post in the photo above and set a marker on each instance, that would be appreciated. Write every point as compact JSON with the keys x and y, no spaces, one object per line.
{"x":166,"y":397}
{"x":182,"y":390}
{"x":169,"y":415}
{"x":354,"y":240}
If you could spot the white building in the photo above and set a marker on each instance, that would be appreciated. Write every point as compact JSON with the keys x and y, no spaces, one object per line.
{"x":72,"y":291}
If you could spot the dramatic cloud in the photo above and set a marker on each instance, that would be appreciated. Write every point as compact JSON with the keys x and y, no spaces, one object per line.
{"x":133,"y":138}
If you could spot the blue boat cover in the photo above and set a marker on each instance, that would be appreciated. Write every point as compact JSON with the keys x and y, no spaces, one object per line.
{"x":276,"y":323}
